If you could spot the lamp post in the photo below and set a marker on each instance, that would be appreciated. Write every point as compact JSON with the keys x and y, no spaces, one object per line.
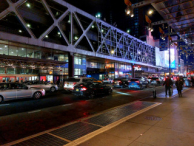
{"x":169,"y":43}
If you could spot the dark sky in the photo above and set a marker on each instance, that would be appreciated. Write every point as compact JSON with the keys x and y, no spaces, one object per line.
{"x":114,"y":7}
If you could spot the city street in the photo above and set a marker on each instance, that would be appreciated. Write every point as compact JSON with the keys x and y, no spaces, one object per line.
{"x":22,"y":118}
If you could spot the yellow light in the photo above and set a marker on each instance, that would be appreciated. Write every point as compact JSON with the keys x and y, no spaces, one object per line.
{"x":28,"y":5}
{"x":28,"y":25}
{"x":150,"y":12}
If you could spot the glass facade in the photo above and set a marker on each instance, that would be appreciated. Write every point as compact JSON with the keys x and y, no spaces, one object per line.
{"x":33,"y":68}
{"x":20,"y":50}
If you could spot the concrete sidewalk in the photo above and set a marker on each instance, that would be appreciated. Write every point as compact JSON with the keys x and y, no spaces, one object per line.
{"x":169,"y":124}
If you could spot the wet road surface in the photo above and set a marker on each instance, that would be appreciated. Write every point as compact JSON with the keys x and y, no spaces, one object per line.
{"x":26,"y":117}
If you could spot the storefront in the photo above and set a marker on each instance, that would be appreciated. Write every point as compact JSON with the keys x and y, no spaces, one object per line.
{"x":22,"y":63}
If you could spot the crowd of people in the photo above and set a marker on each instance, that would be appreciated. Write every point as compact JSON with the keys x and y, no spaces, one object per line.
{"x":179,"y":83}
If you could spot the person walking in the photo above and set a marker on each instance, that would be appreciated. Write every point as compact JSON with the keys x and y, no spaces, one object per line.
{"x":168,"y":83}
{"x":179,"y":86}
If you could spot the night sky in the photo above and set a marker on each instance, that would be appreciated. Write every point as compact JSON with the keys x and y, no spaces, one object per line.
{"x":108,"y":7}
{"x":117,"y":9}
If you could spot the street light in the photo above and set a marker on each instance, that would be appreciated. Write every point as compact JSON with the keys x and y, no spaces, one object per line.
{"x":129,"y":11}
{"x":150,"y":12}
{"x":112,"y":51}
{"x":98,"y":15}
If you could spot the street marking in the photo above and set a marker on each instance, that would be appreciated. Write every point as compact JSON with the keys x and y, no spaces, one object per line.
{"x":4,"y":104}
{"x":67,"y":104}
{"x":34,"y":111}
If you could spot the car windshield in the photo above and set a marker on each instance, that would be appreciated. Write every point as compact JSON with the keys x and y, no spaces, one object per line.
{"x":73,"y":80}
{"x":134,"y":79}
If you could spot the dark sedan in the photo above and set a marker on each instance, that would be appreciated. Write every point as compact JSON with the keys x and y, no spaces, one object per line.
{"x":121,"y":82}
{"x":91,"y":89}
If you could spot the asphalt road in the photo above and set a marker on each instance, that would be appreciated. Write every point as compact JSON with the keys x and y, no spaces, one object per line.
{"x":22,"y":118}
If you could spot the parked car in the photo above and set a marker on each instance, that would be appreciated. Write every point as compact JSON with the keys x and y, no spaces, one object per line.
{"x":143,"y":81}
{"x":121,"y":82}
{"x":187,"y":82}
{"x":135,"y":84}
{"x":91,"y":89}
{"x":71,"y":82}
{"x":12,"y":91}
{"x":45,"y":85}
{"x":155,"y":81}
{"x":107,"y":80}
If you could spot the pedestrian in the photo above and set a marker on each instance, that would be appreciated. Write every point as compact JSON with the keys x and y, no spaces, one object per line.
{"x":179,"y":86}
{"x":58,"y":82}
{"x":192,"y":80}
{"x":168,"y":83}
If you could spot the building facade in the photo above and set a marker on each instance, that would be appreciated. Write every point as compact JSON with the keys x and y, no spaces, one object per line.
{"x":51,"y":40}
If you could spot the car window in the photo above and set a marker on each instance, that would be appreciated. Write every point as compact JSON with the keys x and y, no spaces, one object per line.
{"x":20,"y":86}
{"x":2,"y":86}
{"x":87,"y":80}
{"x":73,"y":80}
{"x":134,"y":80}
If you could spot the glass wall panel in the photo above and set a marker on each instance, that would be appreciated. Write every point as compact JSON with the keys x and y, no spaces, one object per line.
{"x":77,"y":71}
{"x":13,"y":51}
{"x":22,"y":52}
{"x":30,"y":53}
{"x":3,"y":49}
{"x":2,"y":70}
{"x":77,"y":60}
{"x":10,"y":70}
{"x":37,"y":53}
{"x":22,"y":70}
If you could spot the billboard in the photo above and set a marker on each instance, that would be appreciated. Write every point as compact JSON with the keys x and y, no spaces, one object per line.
{"x":162,"y":58}
{"x":172,"y":58}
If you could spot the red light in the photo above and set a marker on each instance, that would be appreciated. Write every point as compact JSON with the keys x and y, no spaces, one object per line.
{"x":74,"y":83}
{"x":83,"y":89}
{"x":137,"y":82}
{"x":129,"y":81}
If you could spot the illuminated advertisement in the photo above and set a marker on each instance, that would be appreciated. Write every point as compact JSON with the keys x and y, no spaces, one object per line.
{"x":172,"y":58}
{"x":162,"y":58}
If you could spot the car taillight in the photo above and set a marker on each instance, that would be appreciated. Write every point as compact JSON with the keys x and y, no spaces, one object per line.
{"x":137,"y":82}
{"x":83,"y":89}
{"x":74,"y":83}
{"x":129,"y":81}
{"x":157,"y":79}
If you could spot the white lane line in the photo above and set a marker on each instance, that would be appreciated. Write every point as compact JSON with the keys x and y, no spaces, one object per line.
{"x":67,"y":104}
{"x":34,"y":111}
{"x":4,"y":104}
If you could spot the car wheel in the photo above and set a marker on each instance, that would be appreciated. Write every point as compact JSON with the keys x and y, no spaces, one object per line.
{"x":92,"y":94}
{"x":109,"y":91}
{"x":1,"y":99}
{"x":37,"y":95}
{"x":52,"y":89}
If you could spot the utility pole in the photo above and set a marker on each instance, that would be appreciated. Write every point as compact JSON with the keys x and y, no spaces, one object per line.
{"x":169,"y":51}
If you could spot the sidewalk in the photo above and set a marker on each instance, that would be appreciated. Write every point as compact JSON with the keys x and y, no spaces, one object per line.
{"x":162,"y":121}
{"x":169,"y":124}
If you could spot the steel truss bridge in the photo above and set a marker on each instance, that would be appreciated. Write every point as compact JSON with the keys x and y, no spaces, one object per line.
{"x":58,"y":25}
